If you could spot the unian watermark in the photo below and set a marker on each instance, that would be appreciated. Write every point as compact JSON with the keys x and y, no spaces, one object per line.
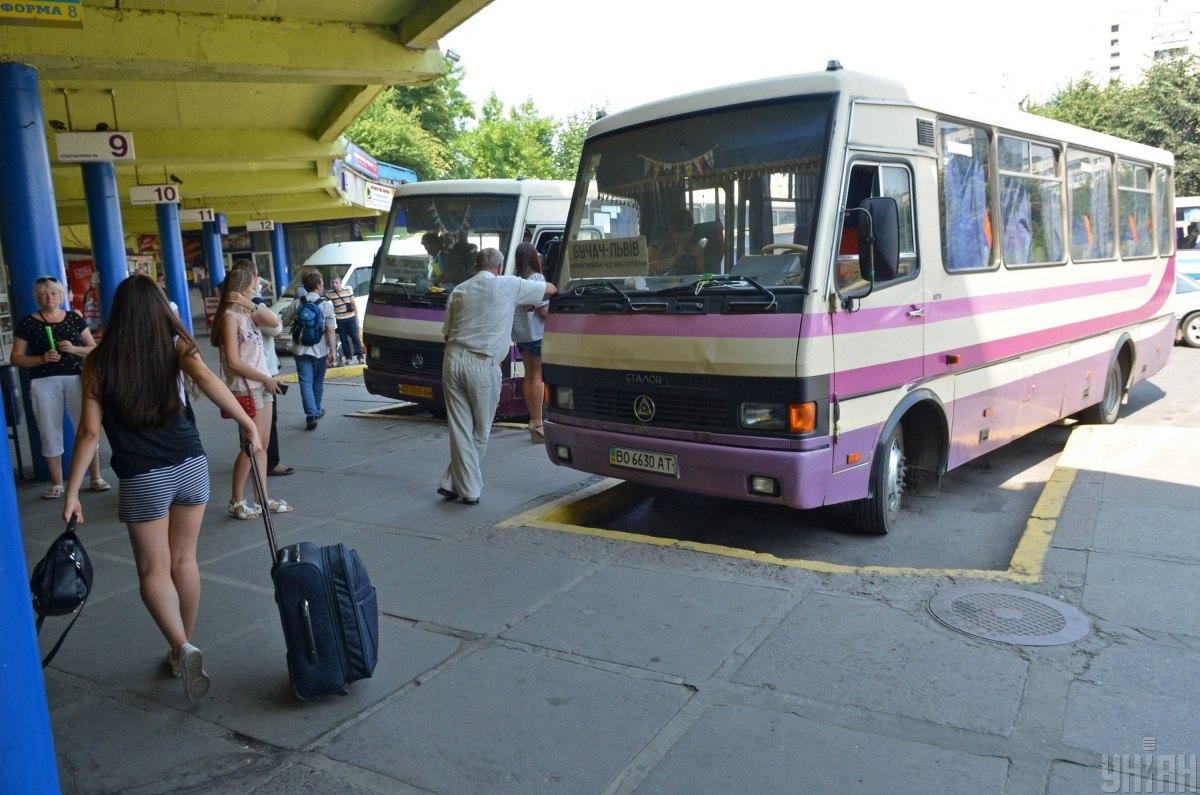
{"x":1148,"y":771}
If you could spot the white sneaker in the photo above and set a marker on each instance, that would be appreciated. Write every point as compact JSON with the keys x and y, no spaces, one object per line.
{"x":173,"y":663}
{"x":195,"y":680}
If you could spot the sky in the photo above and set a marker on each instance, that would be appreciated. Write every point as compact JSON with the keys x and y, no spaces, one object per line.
{"x":569,"y":55}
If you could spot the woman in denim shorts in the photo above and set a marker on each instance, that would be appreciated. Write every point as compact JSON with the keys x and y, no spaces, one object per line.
{"x":529,"y":325}
{"x":134,"y":386}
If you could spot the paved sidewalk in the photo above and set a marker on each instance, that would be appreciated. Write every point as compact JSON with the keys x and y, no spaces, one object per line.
{"x":517,"y":659}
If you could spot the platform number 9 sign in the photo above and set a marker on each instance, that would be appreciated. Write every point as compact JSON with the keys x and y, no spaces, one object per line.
{"x":118,"y":146}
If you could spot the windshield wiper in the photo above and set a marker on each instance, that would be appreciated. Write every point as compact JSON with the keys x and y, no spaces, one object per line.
{"x":583,"y":289}
{"x":727,"y":281}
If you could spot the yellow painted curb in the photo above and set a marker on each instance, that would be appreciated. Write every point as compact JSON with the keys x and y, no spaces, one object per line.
{"x":332,"y":372}
{"x":566,"y":514}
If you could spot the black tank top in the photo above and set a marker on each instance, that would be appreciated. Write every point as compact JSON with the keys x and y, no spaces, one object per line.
{"x":136,"y":452}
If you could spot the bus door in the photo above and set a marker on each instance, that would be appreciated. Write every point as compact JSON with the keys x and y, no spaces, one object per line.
{"x":879,"y":341}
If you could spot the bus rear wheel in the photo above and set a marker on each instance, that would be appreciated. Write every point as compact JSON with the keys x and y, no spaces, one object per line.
{"x":1105,"y":412}
{"x":878,"y":513}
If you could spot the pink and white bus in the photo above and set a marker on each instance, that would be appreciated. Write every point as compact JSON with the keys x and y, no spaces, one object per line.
{"x":817,"y":289}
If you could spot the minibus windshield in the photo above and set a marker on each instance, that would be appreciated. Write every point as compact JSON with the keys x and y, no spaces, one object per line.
{"x":452,"y":230}
{"x":728,"y":192}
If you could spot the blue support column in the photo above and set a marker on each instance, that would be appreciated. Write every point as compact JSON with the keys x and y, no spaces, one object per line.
{"x":29,"y":234}
{"x":171,"y":240}
{"x":213,"y":255}
{"x":108,"y":236}
{"x":28,"y":218}
{"x":280,"y":258}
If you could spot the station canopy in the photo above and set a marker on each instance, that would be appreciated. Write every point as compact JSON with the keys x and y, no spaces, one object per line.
{"x":240,"y":104}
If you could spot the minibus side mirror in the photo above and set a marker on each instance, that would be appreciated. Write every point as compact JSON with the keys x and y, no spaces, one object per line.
{"x":553,"y":260}
{"x":880,"y":237}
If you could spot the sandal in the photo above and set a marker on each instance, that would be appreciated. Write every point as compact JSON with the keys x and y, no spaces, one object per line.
{"x":53,"y":493}
{"x":100,"y":484}
{"x":280,"y":470}
{"x":242,"y":510}
{"x":535,"y":433}
{"x":279,"y":506}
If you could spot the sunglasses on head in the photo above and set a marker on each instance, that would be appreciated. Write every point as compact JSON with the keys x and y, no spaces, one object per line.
{"x":44,"y":279}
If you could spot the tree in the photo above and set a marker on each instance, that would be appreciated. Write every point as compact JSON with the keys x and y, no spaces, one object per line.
{"x":397,"y":136}
{"x":1162,"y":110}
{"x":568,"y":143}
{"x":519,"y":143}
{"x":441,"y":106}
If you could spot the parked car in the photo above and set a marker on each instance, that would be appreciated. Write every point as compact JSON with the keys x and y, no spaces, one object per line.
{"x":351,"y":262}
{"x":1187,"y":309}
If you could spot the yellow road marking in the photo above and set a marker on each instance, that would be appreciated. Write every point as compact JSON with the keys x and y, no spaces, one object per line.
{"x":381,"y":414}
{"x":332,"y":372}
{"x":566,"y":515}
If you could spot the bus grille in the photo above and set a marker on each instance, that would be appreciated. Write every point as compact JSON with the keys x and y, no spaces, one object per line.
{"x":672,"y":410}
{"x":413,"y":357}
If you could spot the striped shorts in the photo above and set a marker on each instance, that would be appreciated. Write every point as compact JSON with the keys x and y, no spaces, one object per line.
{"x":149,"y":496}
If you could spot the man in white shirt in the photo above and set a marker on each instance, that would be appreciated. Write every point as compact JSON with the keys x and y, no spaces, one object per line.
{"x":313,"y":358}
{"x":478,"y":333}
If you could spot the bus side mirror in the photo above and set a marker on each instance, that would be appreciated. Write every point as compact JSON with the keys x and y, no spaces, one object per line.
{"x":879,"y":239}
{"x":553,"y":260}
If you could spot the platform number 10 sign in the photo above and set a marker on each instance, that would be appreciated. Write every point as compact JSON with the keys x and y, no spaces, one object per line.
{"x":154,"y":194}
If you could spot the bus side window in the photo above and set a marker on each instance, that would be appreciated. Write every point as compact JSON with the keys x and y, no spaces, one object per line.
{"x":867,"y":181}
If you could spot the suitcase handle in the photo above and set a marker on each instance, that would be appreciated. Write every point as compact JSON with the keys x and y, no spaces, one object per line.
{"x":260,"y":493}
{"x":309,"y":635}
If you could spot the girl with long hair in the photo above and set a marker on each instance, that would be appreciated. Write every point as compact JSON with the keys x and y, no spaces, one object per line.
{"x":135,"y":387}
{"x":529,"y":325}
{"x":53,"y":343}
{"x":244,"y":365}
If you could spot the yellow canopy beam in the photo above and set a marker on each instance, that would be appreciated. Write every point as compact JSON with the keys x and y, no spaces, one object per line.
{"x":262,"y":145}
{"x":130,"y":45}
{"x":202,"y":188}
{"x":433,"y":19}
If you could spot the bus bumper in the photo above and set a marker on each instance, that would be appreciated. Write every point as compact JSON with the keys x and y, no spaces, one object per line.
{"x":715,"y":470}
{"x":389,"y":385}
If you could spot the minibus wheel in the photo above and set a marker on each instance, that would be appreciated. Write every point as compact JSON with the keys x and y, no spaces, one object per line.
{"x":878,"y":513}
{"x":1105,"y":412}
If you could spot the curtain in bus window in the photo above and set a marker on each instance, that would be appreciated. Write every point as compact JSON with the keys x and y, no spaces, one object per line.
{"x":966,"y":239}
{"x":1018,"y":220}
{"x":1090,"y":179}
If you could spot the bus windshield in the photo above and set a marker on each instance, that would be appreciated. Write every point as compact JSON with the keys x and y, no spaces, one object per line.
{"x":727,"y":192}
{"x":452,"y":230}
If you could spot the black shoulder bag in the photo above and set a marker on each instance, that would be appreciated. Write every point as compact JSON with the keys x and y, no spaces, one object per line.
{"x":61,"y":582}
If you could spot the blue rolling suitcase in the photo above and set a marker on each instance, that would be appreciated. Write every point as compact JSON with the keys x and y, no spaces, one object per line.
{"x":328,"y":608}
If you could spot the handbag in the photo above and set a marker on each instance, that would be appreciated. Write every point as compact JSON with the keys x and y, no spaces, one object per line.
{"x":247,"y":404}
{"x":61,"y":583}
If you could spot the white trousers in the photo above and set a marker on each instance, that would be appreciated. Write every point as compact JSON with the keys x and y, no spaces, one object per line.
{"x":50,"y":395}
{"x":472,"y":388}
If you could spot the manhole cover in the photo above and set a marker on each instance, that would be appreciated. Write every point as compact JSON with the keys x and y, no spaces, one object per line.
{"x":1009,"y":615}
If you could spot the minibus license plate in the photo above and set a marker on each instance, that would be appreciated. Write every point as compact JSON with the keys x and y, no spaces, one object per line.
{"x":412,"y":390}
{"x":645,"y":460}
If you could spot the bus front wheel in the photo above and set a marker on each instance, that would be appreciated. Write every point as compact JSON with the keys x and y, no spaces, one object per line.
{"x":878,"y":513}
{"x":1105,"y":412}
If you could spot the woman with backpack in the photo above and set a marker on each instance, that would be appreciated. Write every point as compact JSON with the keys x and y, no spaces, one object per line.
{"x":244,"y":364}
{"x":135,"y":387}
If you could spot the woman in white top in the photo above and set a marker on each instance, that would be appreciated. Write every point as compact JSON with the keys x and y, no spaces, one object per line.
{"x":244,"y":365}
{"x":529,"y":325}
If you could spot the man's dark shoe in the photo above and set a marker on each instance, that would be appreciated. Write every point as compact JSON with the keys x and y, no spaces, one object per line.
{"x":470,"y":500}
{"x":450,"y":495}
{"x":311,"y":425}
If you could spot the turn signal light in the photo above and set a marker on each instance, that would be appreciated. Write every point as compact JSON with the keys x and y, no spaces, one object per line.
{"x":854,"y":458}
{"x":802,"y":417}
{"x":545,"y":394}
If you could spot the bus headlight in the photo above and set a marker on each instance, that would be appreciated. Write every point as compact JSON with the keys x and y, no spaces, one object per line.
{"x":764,"y":416}
{"x":792,"y":417}
{"x":564,"y":398}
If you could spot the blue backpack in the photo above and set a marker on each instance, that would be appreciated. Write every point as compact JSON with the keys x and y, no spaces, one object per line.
{"x":309,"y":326}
